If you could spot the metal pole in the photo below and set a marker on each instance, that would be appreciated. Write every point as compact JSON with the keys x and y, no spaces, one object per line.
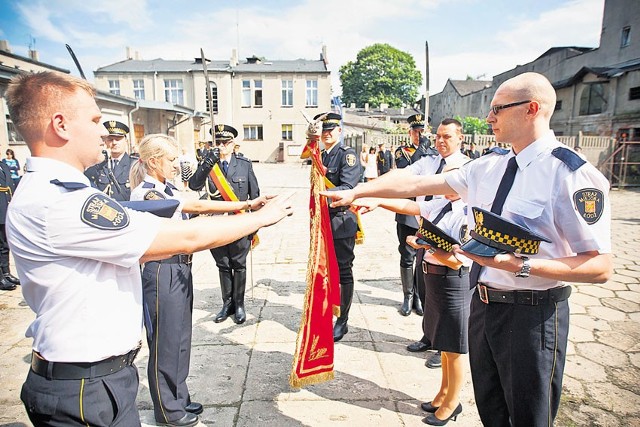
{"x":426,"y":80}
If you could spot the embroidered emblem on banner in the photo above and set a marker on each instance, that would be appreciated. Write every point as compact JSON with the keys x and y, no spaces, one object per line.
{"x":154,"y":195}
{"x":102,"y":212}
{"x":351,"y":159}
{"x":589,"y":203}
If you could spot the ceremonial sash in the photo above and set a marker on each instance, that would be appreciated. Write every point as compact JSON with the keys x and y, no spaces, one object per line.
{"x":227,"y":193}
{"x":313,"y":359}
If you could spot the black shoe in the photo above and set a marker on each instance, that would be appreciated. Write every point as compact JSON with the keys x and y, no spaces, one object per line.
{"x":239,"y":317}
{"x":227,"y":310}
{"x":188,"y":420}
{"x":194,"y":408}
{"x":418,"y":346}
{"x":434,"y":361}
{"x":339,"y":330}
{"x":11,"y":278}
{"x":428,"y":407}
{"x":5,"y":285}
{"x":432,"y":420}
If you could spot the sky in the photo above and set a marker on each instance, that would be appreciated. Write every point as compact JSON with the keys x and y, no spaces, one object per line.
{"x":477,"y":38}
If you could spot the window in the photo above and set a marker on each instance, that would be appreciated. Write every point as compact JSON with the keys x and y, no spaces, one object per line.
{"x":634,"y":93}
{"x":250,"y":87}
{"x":114,"y":87}
{"x":593,"y":99}
{"x":312,"y":93}
{"x":625,"y":37}
{"x":12,"y":132}
{"x":138,"y":89}
{"x":287,"y":132}
{"x":287,"y":93}
{"x":173,"y":91}
{"x":214,"y":97}
{"x":253,"y":132}
{"x":558,"y":106}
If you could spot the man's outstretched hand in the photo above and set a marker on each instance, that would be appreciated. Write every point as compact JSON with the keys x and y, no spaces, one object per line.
{"x":339,"y":198}
{"x":275,"y":209}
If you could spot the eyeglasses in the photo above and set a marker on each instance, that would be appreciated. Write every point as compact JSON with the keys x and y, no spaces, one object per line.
{"x":496,"y":108}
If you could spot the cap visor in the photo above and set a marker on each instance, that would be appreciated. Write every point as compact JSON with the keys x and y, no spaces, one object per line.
{"x":477,"y":248}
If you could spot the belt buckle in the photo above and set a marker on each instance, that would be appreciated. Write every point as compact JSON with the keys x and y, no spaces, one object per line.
{"x":483,"y":293}
{"x":425,"y":268}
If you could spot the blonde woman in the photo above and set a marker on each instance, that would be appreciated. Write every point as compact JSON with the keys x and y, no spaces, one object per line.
{"x":168,"y":286}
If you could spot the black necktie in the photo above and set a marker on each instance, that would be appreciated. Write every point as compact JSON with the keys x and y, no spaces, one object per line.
{"x":324,"y":156}
{"x":168,"y":191}
{"x":225,"y":166}
{"x":440,"y":167}
{"x":446,"y":209}
{"x":115,"y":163}
{"x":496,"y":208}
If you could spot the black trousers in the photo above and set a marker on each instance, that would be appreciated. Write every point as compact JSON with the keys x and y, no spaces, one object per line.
{"x":104,"y":401}
{"x":407,"y":253}
{"x":4,"y":247}
{"x":517,"y":355}
{"x":168,"y":307}
{"x":232,"y":256}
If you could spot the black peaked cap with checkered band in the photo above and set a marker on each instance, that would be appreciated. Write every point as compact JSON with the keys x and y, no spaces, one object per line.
{"x":494,"y":234}
{"x":434,"y":236}
{"x":330,"y":120}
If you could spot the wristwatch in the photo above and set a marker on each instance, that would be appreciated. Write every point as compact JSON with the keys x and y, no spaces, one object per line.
{"x":526,"y":268}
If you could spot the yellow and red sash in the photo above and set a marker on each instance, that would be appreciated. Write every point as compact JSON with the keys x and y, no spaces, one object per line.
{"x":313,"y":359}
{"x":227,"y":193}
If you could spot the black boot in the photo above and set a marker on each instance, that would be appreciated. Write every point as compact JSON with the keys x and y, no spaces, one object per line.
{"x":6,"y":273}
{"x":406,"y":277}
{"x":346,"y":297}
{"x":226,"y":285}
{"x":5,"y":285}
{"x":417,"y":304}
{"x":239,"y":285}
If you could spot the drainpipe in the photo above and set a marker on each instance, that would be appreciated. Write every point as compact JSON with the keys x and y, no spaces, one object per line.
{"x":131,"y":125}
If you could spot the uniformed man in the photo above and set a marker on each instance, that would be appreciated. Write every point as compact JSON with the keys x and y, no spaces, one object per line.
{"x":343,"y":170}
{"x":519,"y":321}
{"x":111,"y":176}
{"x":410,"y":277}
{"x":78,"y":253}
{"x":231,"y":259}
{"x":8,"y":281}
{"x":384,"y":159}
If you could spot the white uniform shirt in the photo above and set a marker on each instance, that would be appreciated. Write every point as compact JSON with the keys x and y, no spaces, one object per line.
{"x":77,"y":253}
{"x":542,"y":199}
{"x":453,"y":223}
{"x":428,"y":165}
{"x":153,"y":185}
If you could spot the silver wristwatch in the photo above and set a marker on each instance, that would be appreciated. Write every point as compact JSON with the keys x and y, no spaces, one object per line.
{"x":526,"y":268}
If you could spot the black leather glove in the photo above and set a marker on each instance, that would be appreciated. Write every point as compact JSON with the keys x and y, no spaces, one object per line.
{"x":212,"y":157}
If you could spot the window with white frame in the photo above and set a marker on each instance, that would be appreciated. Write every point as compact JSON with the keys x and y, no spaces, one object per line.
{"x":253,"y":132}
{"x":287,"y":132}
{"x":251,"y":91}
{"x":287,"y":93}
{"x":114,"y":87}
{"x":138,"y":89}
{"x":625,"y":37}
{"x":214,"y":97}
{"x":312,"y":93}
{"x":174,"y":91}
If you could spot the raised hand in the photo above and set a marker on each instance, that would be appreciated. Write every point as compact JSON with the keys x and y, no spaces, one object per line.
{"x":340,"y":198}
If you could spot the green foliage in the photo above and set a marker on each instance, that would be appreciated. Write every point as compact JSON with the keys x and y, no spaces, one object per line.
{"x":471,"y":125}
{"x":380,"y":74}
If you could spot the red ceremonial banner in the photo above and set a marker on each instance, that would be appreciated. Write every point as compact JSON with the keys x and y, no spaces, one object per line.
{"x":313,"y":359}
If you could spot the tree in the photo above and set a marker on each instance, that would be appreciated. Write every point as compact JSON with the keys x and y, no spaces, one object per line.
{"x":471,"y":125}
{"x":380,"y":74}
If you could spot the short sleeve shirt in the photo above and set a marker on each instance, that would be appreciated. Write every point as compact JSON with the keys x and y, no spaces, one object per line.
{"x":77,"y":253}
{"x":453,"y":223}
{"x":546,"y":197}
{"x":151,"y":188}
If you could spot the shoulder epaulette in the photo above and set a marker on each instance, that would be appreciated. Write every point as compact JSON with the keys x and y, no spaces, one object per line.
{"x":146,"y":184}
{"x":568,"y":157}
{"x":243,"y":158}
{"x":345,"y":147}
{"x":498,"y":150}
{"x":69,"y":185}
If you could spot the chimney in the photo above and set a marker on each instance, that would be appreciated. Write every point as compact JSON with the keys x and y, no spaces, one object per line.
{"x":402,"y":110}
{"x":33,"y":54}
{"x":366,"y":106}
{"x":352,"y":106}
{"x":137,"y":56}
{"x":128,"y":52}
{"x":323,"y":55}
{"x":234,"y":58}
{"x":4,"y":46}
{"x":383,"y":107}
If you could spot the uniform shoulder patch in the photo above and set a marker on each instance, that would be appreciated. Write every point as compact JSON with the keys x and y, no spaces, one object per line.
{"x":498,"y":150}
{"x":568,"y":157}
{"x":101,"y":211}
{"x":589,"y":202}
{"x":350,"y":158}
{"x":153,"y":195}
{"x":398,"y":153}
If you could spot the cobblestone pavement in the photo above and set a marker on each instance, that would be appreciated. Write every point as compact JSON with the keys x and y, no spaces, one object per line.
{"x":240,"y":373}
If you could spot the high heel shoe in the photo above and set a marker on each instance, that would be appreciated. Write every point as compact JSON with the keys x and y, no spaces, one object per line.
{"x":428,"y":407}
{"x":431,"y":419}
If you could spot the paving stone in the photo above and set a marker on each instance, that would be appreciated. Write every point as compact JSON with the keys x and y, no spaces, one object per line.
{"x":609,"y":397}
{"x":584,"y":370}
{"x":606,"y":313}
{"x":584,"y":300}
{"x":629,"y":296}
{"x":597,"y":291}
{"x":621,"y":304}
{"x":602,"y":354}
{"x":590,"y":322}
{"x":578,"y":334}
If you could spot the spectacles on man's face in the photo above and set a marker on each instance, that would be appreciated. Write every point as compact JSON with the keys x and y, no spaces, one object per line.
{"x":496,"y":108}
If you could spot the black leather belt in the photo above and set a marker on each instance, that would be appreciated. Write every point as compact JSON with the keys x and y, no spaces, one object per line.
{"x":177,"y":259}
{"x":489,"y":295}
{"x":77,"y":371}
{"x":443,"y":270}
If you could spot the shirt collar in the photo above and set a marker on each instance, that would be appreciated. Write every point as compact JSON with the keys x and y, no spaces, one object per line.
{"x":533,"y":150}
{"x":152,"y":180}
{"x":56,"y":169}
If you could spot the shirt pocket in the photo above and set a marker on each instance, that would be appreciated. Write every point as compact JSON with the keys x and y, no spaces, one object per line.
{"x":527,"y":209}
{"x":240,"y":181}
